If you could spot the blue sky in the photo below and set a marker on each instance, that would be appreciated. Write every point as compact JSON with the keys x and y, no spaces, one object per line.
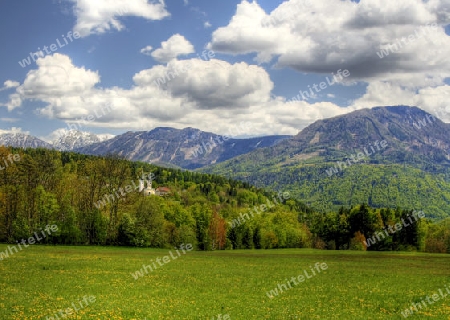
{"x":262,"y":53}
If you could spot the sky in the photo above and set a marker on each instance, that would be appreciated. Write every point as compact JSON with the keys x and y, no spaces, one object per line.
{"x":272,"y":67}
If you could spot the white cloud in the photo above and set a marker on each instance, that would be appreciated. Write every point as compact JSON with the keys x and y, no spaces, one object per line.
{"x":14,"y":130}
{"x":8,"y":84}
{"x":434,"y":100}
{"x":311,"y":38}
{"x":209,"y":86}
{"x":56,"y":79}
{"x":100,"y":16}
{"x":15,"y":101}
{"x":175,"y":46}
{"x":147,"y":50}
{"x":308,"y":36}
{"x":212,"y":95}
{"x":105,"y":136}
{"x":54,"y":135}
{"x":9,"y":119}
{"x":11,"y":84}
{"x":207,"y":25}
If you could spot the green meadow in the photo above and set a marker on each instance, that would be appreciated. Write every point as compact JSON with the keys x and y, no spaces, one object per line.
{"x":40,"y":280}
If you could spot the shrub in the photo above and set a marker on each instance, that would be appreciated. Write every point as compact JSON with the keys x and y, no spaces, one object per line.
{"x":358,"y":242}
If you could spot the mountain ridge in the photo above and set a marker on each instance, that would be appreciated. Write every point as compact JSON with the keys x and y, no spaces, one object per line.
{"x":188,"y":148}
{"x":417,"y":156}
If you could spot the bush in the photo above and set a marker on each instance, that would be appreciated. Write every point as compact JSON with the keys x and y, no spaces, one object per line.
{"x":435,"y":246}
{"x":358,"y":242}
{"x":318,"y":243}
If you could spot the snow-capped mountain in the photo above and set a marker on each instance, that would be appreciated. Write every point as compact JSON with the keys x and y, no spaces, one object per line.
{"x":68,"y":140}
{"x":188,"y":148}
{"x":22,"y":140}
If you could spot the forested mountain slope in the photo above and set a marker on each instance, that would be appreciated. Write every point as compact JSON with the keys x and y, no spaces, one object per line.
{"x":412,"y":169}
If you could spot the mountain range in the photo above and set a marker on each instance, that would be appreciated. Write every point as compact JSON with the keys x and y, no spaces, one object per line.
{"x":316,"y":166}
{"x":187,"y":148}
{"x":66,"y":140}
{"x":22,"y":140}
{"x":331,"y":163}
{"x":69,"y":140}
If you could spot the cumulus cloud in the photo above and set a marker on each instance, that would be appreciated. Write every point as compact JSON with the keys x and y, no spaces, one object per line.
{"x":55,"y":81}
{"x":399,"y":49}
{"x":212,"y":95}
{"x":310,"y":37}
{"x":100,"y":16}
{"x":175,"y":46}
{"x":434,"y":100}
{"x":210,"y":84}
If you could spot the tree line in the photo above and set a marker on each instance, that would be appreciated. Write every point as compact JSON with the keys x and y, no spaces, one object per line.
{"x":48,"y":187}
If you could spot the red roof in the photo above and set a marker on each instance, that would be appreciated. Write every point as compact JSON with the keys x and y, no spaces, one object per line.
{"x":163,"y":189}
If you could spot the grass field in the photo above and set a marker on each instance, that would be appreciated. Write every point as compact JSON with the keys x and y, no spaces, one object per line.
{"x":40,"y":280}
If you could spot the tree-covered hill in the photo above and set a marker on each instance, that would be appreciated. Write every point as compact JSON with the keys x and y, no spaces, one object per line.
{"x":95,"y":201}
{"x":316,"y":166}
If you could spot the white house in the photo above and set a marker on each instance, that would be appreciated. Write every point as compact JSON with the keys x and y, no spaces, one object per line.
{"x":147,"y":190}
